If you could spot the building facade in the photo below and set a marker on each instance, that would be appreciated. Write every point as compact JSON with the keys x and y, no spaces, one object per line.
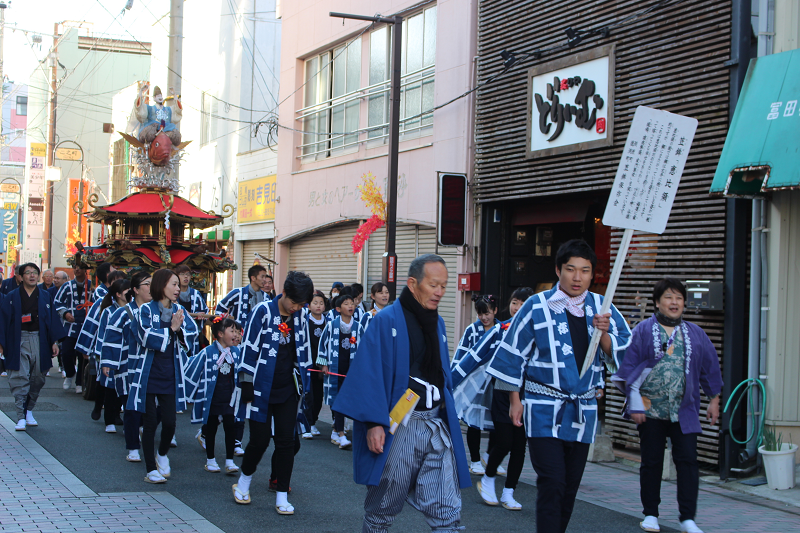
{"x":333,"y":131}
{"x":551,"y":124}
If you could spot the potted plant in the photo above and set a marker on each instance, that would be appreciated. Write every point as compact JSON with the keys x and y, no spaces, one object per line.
{"x":779,"y":460}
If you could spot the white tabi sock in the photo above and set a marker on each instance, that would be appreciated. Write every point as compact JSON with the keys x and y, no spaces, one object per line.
{"x":212,"y":462}
{"x":488,"y":483}
{"x":282,"y":499}
{"x":507,"y":494}
{"x":229,"y":463}
{"x":244,"y":483}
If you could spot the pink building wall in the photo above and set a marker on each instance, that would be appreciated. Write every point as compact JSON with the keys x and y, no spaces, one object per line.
{"x":315,"y":194}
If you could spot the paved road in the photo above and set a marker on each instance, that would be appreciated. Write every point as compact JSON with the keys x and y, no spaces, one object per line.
{"x":324,"y":495}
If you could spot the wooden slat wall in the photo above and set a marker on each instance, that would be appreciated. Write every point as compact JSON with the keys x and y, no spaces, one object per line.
{"x":672,"y":59}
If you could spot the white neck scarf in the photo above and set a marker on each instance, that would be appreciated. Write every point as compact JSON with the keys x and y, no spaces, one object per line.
{"x":560,"y":301}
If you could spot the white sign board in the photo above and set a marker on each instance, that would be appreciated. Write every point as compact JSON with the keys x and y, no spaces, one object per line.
{"x":570,"y":101}
{"x":650,"y":170}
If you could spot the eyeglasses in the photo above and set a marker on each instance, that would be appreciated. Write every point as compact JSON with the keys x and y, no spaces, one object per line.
{"x":29,"y":272}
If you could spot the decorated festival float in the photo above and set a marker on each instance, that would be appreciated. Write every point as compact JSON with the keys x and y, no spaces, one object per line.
{"x":153,"y":226}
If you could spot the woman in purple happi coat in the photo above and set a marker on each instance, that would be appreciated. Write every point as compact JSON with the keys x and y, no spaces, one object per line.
{"x":667,"y":362}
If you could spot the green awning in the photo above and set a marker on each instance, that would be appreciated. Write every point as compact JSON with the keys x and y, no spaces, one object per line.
{"x":212,"y":235}
{"x":762,"y":150}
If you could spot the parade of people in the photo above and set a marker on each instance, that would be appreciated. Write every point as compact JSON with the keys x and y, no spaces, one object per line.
{"x":399,"y":266}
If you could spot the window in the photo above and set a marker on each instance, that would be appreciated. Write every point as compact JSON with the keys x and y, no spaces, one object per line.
{"x":332,"y":102}
{"x":208,"y":123}
{"x":22,"y":105}
{"x":417,"y":82}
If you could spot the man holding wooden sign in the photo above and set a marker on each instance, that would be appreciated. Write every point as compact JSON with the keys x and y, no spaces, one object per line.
{"x":547,"y":348}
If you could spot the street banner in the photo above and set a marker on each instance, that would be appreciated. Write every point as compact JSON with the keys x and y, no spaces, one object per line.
{"x":644,"y":189}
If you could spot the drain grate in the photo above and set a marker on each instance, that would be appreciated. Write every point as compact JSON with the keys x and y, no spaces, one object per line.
{"x":754,"y":481}
{"x":40,"y":407}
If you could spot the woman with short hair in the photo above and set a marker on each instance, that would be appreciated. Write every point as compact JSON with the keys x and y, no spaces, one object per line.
{"x":667,"y":362}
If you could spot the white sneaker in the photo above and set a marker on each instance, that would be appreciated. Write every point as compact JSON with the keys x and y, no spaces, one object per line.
{"x":688,"y":526}
{"x":133,"y":456}
{"x":344,"y":444}
{"x":477,"y":468}
{"x":173,"y":443}
{"x":200,"y":438}
{"x":154,"y":477}
{"x":315,"y":431}
{"x":78,"y":389}
{"x":162,"y":463}
{"x":308,"y":435}
{"x":29,"y":420}
{"x":650,"y":523}
{"x":238,"y":451}
{"x":21,"y":425}
{"x":334,"y":437}
{"x":111,"y":429}
{"x":67,"y":383}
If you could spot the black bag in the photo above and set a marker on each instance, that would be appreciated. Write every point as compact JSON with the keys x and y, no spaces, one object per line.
{"x":90,"y":385}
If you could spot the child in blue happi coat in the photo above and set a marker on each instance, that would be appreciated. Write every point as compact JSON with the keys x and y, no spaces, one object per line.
{"x":337,"y":347}
{"x":316,"y":324}
{"x":213,"y":379}
{"x":486,"y":308}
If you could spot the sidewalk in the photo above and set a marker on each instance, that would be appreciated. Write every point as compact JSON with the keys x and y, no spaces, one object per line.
{"x":615,"y":486}
{"x":37,"y":493}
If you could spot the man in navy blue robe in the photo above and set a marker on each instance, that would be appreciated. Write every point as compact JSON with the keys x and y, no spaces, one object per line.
{"x":29,"y":331}
{"x":420,"y":460}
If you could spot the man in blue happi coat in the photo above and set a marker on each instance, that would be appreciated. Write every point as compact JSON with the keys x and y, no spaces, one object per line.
{"x":29,"y":332}
{"x":544,"y":349}
{"x":423,"y":460}
{"x":13,"y":281}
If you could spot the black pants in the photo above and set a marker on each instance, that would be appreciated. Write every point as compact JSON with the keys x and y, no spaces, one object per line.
{"x":210,"y":432}
{"x":284,"y":416}
{"x":70,"y":358}
{"x":508,"y":438}
{"x":107,"y":397}
{"x":317,"y":393}
{"x":559,"y":465}
{"x":338,"y":421}
{"x":131,"y":423}
{"x":238,"y":428}
{"x":474,"y":443}
{"x":272,"y":476}
{"x":166,"y":403}
{"x":653,"y":436}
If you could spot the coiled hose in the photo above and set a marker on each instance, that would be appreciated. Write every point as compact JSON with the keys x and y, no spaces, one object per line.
{"x":747,"y":387}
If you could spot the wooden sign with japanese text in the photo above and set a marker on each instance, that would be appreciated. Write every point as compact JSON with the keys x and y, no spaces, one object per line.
{"x":649,"y":170}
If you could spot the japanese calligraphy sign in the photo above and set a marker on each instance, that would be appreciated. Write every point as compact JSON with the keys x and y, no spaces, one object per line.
{"x":10,"y":227}
{"x":650,"y":170}
{"x":257,"y":200}
{"x":571,"y":103}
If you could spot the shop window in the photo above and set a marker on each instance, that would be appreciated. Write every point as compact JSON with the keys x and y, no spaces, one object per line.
{"x":417,"y":82}
{"x":208,"y":122}
{"x":332,"y":100}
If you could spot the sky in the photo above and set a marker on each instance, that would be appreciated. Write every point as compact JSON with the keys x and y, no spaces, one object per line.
{"x":24,"y":18}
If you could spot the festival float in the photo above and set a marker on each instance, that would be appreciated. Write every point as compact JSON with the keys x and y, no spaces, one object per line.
{"x":153,"y":226}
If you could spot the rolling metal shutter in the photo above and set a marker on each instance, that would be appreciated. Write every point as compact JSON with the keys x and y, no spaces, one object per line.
{"x":326,"y":256}
{"x":413,"y":240}
{"x":249,"y":249}
{"x":673,"y":59}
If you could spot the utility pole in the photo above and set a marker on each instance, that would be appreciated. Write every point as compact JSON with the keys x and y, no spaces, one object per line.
{"x":389,"y":274}
{"x":3,"y":7}
{"x":175,"y":60}
{"x":51,"y":146}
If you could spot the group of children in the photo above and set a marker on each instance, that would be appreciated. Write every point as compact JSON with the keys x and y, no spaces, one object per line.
{"x":147,"y":345}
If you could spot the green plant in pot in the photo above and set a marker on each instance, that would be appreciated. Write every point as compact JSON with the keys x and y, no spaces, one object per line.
{"x":779,"y":460}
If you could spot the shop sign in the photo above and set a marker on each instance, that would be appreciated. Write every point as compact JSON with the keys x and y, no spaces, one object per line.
{"x":571,"y":103}
{"x":256,"y":202}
